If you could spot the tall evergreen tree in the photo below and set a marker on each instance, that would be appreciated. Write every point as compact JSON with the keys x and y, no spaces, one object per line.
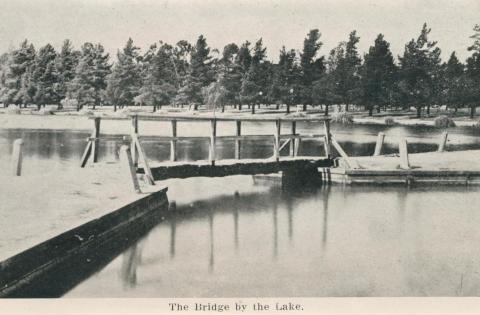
{"x":45,"y":78}
{"x":453,"y":82}
{"x":18,"y":87}
{"x":199,"y":75}
{"x":473,"y":72}
{"x":347,"y":71}
{"x":65,"y":64}
{"x":312,"y":66}
{"x":286,"y":81}
{"x":160,"y":77}
{"x":89,"y":83}
{"x":377,"y":75}
{"x":419,"y":67}
{"x":254,"y":83}
{"x":123,"y":83}
{"x":229,"y":76}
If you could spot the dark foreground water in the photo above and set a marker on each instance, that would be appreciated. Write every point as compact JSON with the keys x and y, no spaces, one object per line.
{"x":235,"y":237}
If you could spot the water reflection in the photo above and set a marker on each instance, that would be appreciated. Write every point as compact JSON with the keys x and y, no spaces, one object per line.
{"x":130,"y":261}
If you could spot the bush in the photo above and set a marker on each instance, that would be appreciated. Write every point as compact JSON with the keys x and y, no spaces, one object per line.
{"x":13,"y":110}
{"x":444,"y":122}
{"x":45,"y":111}
{"x":389,"y":121}
{"x":342,"y":118}
{"x":477,"y":124}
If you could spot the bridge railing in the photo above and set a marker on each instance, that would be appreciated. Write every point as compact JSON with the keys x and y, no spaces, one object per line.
{"x":292,"y":139}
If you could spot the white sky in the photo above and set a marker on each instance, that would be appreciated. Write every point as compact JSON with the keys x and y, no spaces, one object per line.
{"x":280,"y":22}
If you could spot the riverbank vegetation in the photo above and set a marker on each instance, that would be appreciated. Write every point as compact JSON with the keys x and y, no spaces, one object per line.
{"x":241,"y":75}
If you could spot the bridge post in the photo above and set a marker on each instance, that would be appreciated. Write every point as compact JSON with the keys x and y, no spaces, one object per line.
{"x":293,"y":140}
{"x":276,"y":147}
{"x":379,"y":144}
{"x":402,"y":146}
{"x":133,"y":148}
{"x":96,"y":136}
{"x":328,"y":137}
{"x":442,"y":142}
{"x":173,"y":142}
{"x":213,"y":124}
{"x":237,"y":141}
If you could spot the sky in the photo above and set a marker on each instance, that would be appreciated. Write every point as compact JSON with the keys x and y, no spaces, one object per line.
{"x":281,"y":22}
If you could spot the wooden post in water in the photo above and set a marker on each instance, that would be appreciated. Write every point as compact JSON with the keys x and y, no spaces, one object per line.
{"x":293,"y":140}
{"x":96,"y":136}
{"x":126,"y":157}
{"x":276,"y":146}
{"x":213,"y":138}
{"x":132,"y":144}
{"x":379,"y":144}
{"x":443,"y":142}
{"x":402,"y":146}
{"x":17,"y":157}
{"x":237,"y":141}
{"x":173,"y":142}
{"x":328,"y":142}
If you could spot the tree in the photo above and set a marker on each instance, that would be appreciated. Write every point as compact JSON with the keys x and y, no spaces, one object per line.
{"x":377,"y":75}
{"x":17,"y":88}
{"x":347,"y":71}
{"x":89,"y":83}
{"x":453,"y":82}
{"x":124,"y":82}
{"x":45,"y":77}
{"x":229,"y":76}
{"x":160,"y":77}
{"x":312,"y":68}
{"x":65,"y":64}
{"x":199,"y":75}
{"x":473,"y":73}
{"x":286,"y":81}
{"x":419,"y":67}
{"x":254,"y":83}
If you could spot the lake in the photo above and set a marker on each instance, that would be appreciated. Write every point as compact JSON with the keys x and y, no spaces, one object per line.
{"x":234,"y":236}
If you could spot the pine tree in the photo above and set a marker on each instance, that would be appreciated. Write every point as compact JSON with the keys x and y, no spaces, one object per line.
{"x":124,"y":82}
{"x":452,"y":82}
{"x":473,"y":73}
{"x":255,"y":80}
{"x":17,"y":87}
{"x":160,"y":76}
{"x":419,"y":69}
{"x":377,"y":75}
{"x":65,"y":64}
{"x":89,"y":83}
{"x":229,"y":76}
{"x":347,"y":71}
{"x":286,"y":81}
{"x":312,"y":67}
{"x":199,"y":75}
{"x":45,"y":77}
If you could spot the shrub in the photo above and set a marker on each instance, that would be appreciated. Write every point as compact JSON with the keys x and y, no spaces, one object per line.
{"x":444,"y":122}
{"x":477,"y":124}
{"x":389,"y":121}
{"x":13,"y":110}
{"x":342,"y":118}
{"x":45,"y":111}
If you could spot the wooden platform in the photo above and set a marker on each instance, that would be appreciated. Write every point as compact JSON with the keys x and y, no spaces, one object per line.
{"x":440,"y":168}
{"x":222,"y":168}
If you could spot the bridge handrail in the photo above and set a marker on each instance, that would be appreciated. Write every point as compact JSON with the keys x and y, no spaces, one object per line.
{"x":210,"y":118}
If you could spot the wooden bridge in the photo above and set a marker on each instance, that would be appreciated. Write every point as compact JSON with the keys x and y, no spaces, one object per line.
{"x":291,"y":163}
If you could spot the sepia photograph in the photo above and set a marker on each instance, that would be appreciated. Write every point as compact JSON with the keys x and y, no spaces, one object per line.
{"x":239,"y":149}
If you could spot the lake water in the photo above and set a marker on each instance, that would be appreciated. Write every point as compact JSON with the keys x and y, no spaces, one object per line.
{"x":233,"y":236}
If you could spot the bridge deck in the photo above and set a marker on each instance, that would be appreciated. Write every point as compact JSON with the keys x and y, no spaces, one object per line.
{"x":184,"y":169}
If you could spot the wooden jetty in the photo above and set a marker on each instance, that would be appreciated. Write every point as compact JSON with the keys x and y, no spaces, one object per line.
{"x":214,"y":166}
{"x":439,"y":167}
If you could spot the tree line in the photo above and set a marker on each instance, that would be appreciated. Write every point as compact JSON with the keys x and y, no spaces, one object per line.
{"x":195,"y":74}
